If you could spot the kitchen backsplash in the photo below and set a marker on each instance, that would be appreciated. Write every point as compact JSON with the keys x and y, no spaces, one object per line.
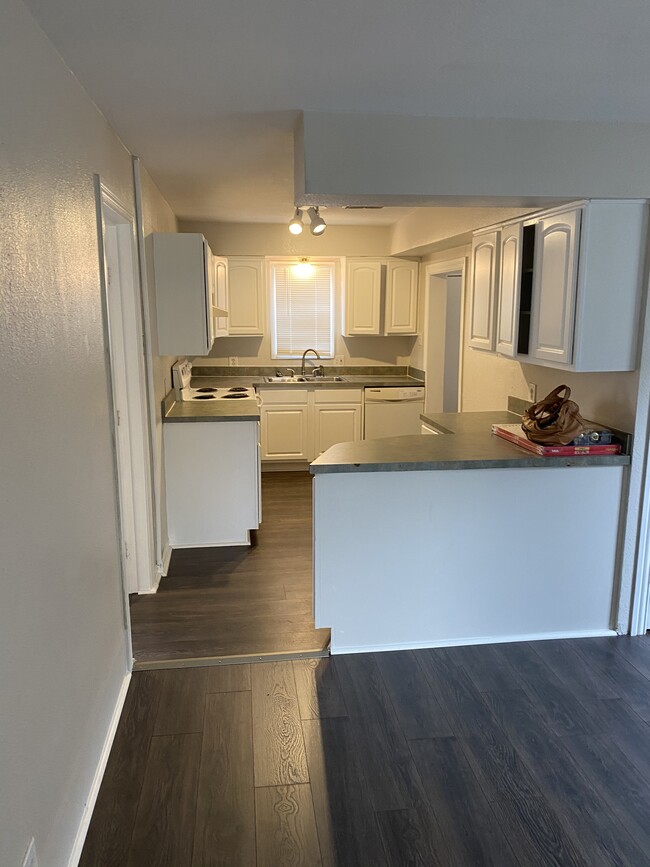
{"x":339,"y":370}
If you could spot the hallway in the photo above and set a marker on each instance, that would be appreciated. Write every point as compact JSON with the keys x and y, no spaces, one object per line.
{"x":254,"y":601}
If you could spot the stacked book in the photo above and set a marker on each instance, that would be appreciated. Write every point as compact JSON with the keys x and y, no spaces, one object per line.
{"x":514,"y":434}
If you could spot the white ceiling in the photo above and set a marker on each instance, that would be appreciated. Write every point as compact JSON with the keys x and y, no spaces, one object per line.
{"x":207,"y":93}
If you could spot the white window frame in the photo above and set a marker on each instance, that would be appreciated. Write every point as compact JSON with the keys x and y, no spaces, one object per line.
{"x":335,"y":262}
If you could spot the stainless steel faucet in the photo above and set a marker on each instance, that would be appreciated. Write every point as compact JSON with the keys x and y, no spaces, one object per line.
{"x":302,"y":369}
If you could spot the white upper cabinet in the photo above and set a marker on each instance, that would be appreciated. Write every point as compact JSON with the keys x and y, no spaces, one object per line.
{"x":485,"y":256}
{"x":401,"y":297}
{"x":184,"y":286}
{"x":570,"y":286}
{"x":509,"y":290}
{"x":554,"y":287}
{"x":363,"y":292}
{"x":220,"y":311}
{"x":246,"y":295}
{"x":381,"y":297}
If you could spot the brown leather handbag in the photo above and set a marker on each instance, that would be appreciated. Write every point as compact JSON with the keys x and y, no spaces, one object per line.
{"x":554,"y":419}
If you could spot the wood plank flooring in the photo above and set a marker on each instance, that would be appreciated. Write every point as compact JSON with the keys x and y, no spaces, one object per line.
{"x":245,"y":601}
{"x":522,"y":755}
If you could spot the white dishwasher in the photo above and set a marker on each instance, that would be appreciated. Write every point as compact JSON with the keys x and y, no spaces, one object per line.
{"x":393,"y":411}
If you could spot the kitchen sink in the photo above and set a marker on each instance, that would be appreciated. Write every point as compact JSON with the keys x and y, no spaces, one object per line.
{"x":303,"y":379}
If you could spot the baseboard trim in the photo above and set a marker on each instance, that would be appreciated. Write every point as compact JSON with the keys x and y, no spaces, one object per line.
{"x":167,"y":556}
{"x":460,"y":642}
{"x":80,"y":838}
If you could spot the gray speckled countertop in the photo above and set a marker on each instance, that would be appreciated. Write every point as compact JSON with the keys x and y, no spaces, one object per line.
{"x":465,"y":442}
{"x":209,"y":410}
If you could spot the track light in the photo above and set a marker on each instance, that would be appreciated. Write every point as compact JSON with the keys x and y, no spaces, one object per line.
{"x":295,"y":226}
{"x":317,"y":225}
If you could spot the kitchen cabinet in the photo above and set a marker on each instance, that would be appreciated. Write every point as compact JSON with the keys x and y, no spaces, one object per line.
{"x":246,"y":286}
{"x":285,"y":420}
{"x":212,"y":479}
{"x":299,"y":424}
{"x":220,"y":277}
{"x":483,"y":277}
{"x":186,"y":303}
{"x":337,"y":418}
{"x":554,"y":286}
{"x":363,"y":296}
{"x":570,"y":286}
{"x":381,"y":297}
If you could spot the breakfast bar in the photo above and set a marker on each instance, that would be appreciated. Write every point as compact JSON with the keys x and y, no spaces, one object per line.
{"x":463,"y":538}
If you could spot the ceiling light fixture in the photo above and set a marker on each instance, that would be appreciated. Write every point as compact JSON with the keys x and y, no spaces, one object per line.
{"x":317,"y":225}
{"x":295,"y":226}
{"x":304,"y":268}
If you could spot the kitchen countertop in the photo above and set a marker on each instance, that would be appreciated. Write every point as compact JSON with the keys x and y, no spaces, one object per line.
{"x":209,"y":410}
{"x":465,"y":442}
{"x":350,"y":381}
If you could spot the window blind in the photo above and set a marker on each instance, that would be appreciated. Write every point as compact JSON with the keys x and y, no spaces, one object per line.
{"x":303,"y":310}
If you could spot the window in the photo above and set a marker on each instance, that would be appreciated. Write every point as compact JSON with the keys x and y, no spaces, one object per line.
{"x":302,"y":314}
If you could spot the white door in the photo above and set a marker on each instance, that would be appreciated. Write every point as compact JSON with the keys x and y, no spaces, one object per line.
{"x":484,"y":273}
{"x":509,"y":288}
{"x":335,"y":424}
{"x":554,"y":293}
{"x":401,"y":297}
{"x":363,"y":296}
{"x":285,"y":433}
{"x":122,"y":304}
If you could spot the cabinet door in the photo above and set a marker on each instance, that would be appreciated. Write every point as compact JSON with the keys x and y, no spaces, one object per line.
{"x":363,"y":296}
{"x":220,"y":296}
{"x":401,"y":315}
{"x":335,"y":423}
{"x":246,"y":296}
{"x":509,"y":289}
{"x":285,"y":433}
{"x":555,"y":279}
{"x":182,"y":278}
{"x":485,"y":254}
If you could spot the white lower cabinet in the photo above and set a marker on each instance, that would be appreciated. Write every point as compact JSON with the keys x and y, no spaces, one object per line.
{"x":299,"y":424}
{"x":212,"y":482}
{"x":285,"y":433}
{"x":335,"y":423}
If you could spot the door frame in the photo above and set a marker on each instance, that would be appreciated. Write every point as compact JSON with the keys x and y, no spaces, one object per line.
{"x":442,"y":270}
{"x":127,"y":395}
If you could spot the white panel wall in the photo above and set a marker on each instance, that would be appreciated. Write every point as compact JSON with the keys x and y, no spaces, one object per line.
{"x":63,"y":653}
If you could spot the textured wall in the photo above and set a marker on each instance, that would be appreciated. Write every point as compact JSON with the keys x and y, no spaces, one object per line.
{"x":63,"y":652}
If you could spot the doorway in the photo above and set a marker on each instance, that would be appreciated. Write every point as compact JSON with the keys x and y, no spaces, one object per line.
{"x":443,"y":329}
{"x":127,"y":392}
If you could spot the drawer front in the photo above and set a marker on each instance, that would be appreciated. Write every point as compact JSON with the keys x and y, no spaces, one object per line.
{"x":338,"y":395}
{"x":283,"y":396}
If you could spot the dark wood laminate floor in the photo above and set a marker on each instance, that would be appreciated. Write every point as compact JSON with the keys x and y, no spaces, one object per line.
{"x":495,"y":756}
{"x":224,"y":602}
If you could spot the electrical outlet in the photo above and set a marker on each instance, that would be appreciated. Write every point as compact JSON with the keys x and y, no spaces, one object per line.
{"x":30,"y":859}
{"x":338,"y":360}
{"x":532,"y":391}
{"x":233,"y":361}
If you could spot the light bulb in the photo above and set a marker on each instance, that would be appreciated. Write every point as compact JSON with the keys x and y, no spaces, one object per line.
{"x":317,"y":225}
{"x":303,"y":268}
{"x":295,"y":226}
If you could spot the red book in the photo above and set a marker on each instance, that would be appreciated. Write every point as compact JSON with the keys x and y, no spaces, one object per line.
{"x":514,"y":434}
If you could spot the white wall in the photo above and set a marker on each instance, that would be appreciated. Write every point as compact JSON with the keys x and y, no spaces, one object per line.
{"x":259,"y":239}
{"x":63,"y":657}
{"x":394,"y":159}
